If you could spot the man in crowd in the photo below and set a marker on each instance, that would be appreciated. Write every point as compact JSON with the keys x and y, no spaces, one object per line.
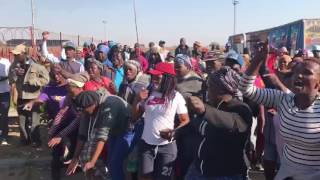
{"x":4,"y":100}
{"x":71,"y":65}
{"x":163,"y":51}
{"x":105,"y":115}
{"x":183,"y":48}
{"x":27,"y":78}
{"x":316,"y":51}
{"x":188,"y":84}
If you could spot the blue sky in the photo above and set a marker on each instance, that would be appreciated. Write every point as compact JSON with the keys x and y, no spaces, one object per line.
{"x":203,"y":20}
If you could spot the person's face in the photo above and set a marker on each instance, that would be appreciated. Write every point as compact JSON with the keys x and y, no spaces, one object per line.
{"x":20,"y":57}
{"x":45,"y":36}
{"x":212,"y":66}
{"x":161,"y":45}
{"x":283,"y":64}
{"x":94,"y":71}
{"x":91,"y":109}
{"x":195,"y":47}
{"x":131,"y":73}
{"x":156,"y":81}
{"x":78,"y":55}
{"x":233,"y":65}
{"x":117,"y":60}
{"x":101,"y":56}
{"x":70,"y":53}
{"x":183,"y":42}
{"x":316,"y":54}
{"x":74,"y":91}
{"x":58,"y":77}
{"x":215,"y":93}
{"x":306,"y":78}
{"x":92,"y":47}
{"x":120,"y":48}
{"x":151,"y":45}
{"x":137,"y":51}
{"x":181,"y":69}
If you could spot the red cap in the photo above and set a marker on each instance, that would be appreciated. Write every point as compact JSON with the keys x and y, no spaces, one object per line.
{"x":163,"y":68}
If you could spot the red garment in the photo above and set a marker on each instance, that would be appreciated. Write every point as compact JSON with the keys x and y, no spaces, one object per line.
{"x":93,"y":85}
{"x":196,"y":66}
{"x":271,"y":62}
{"x":259,"y":82}
{"x":144,"y":63}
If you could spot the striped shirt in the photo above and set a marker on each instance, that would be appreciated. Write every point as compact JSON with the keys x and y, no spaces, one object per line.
{"x":300,"y":129}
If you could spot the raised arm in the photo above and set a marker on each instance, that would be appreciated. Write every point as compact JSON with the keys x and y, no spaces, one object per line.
{"x":45,"y":53}
{"x":267,"y":97}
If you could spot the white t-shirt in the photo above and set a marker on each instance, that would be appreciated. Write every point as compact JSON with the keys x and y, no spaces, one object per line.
{"x":4,"y":72}
{"x":159,"y":116}
{"x":163,"y":54}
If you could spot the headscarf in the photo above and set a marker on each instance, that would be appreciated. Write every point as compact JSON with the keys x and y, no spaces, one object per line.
{"x":228,"y":79}
{"x":96,"y":62}
{"x":133,"y":63}
{"x":183,"y":59}
{"x":104,"y":49}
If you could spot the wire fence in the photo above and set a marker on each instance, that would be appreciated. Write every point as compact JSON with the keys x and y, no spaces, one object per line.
{"x":12,"y":36}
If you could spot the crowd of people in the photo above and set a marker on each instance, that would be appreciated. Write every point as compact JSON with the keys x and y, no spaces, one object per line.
{"x":115,"y":112}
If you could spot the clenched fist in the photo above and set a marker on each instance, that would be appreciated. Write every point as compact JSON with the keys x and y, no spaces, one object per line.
{"x":196,"y":105}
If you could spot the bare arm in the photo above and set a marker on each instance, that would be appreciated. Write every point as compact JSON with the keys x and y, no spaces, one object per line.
{"x":98,"y":151}
{"x":184,"y":120}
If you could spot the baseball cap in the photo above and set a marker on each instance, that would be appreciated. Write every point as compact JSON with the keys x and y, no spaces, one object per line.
{"x":70,"y":44}
{"x":163,"y":68}
{"x":19,"y":49}
{"x":315,"y":47}
{"x":235,"y":56}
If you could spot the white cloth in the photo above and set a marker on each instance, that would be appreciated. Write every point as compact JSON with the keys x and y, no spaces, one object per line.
{"x":126,"y":56}
{"x":160,"y":115}
{"x":45,"y":53}
{"x":4,"y":72}
{"x":163,"y":54}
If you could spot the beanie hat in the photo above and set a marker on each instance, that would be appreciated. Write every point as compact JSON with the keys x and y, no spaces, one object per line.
{"x":86,"y":99}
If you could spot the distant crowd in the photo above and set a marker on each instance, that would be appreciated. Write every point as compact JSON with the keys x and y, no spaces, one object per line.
{"x":122,"y":113}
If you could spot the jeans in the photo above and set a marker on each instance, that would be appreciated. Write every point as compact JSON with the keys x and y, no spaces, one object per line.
{"x":117,"y":152}
{"x":4,"y":107}
{"x":194,"y":174}
{"x":29,"y":122}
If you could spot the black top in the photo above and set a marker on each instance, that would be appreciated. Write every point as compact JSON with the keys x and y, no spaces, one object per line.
{"x":221,"y":150}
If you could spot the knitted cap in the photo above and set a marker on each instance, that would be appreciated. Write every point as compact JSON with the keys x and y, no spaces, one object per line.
{"x":86,"y":99}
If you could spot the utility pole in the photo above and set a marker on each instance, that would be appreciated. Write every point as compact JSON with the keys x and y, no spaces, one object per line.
{"x":234,"y":2}
{"x":32,"y":25}
{"x":105,"y":29}
{"x":135,"y":20}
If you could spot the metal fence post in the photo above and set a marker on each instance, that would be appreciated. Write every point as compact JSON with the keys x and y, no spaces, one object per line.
{"x":60,"y":39}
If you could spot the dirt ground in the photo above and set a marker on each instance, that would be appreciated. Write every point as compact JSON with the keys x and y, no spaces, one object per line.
{"x":20,"y":162}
